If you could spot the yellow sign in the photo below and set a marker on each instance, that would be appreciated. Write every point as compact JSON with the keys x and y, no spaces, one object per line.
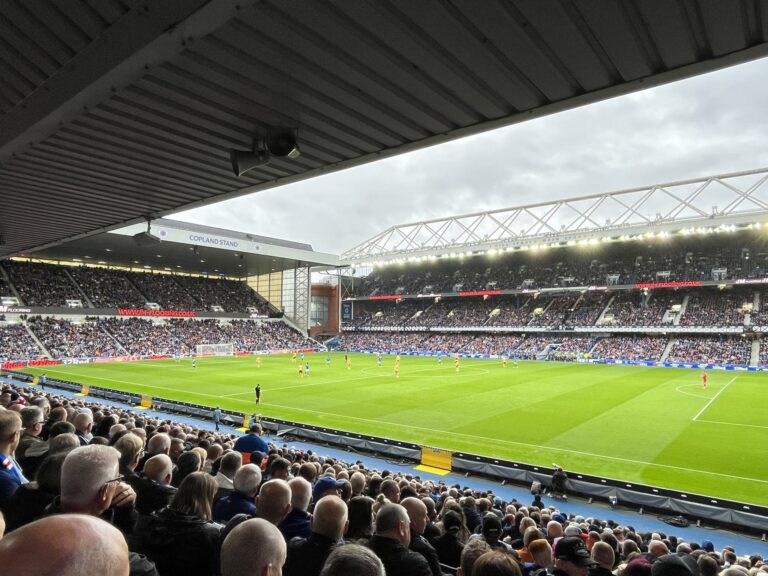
{"x":436,"y":458}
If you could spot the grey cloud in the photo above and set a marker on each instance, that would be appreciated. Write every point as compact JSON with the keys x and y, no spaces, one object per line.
{"x":701,"y":126}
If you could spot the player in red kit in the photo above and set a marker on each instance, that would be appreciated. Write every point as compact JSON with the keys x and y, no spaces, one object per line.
{"x":704,"y":379}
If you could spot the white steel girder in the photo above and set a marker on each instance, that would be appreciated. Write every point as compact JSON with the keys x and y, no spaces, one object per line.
{"x":728,"y":199}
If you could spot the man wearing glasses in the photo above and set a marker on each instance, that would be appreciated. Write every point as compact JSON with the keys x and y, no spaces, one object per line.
{"x":91,"y":484}
{"x":32,"y":420}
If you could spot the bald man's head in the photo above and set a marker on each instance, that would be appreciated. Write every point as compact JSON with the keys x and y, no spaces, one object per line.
{"x":417,"y":512}
{"x":392,"y":522}
{"x":274,"y":501}
{"x":159,"y":468}
{"x":330,"y":517}
{"x":301,"y":493}
{"x":239,"y":556}
{"x":62,"y":538}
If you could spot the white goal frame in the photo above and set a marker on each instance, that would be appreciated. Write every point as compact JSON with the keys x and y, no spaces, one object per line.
{"x":223,"y":349}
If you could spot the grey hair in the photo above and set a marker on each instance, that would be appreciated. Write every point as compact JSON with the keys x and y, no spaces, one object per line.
{"x":86,"y":469}
{"x":352,"y":559}
{"x":247,"y":480}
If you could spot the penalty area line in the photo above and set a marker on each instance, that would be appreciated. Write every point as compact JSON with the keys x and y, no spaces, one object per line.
{"x":708,"y":404}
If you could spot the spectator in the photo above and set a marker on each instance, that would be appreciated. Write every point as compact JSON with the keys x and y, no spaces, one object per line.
{"x":417,"y":513}
{"x":182,"y":539}
{"x":189,"y":462}
{"x":11,"y":476}
{"x":274,"y":501}
{"x":495,"y":563}
{"x":449,"y":545}
{"x":391,"y":540}
{"x":572,"y":556}
{"x":360,"y":511}
{"x":239,"y":556}
{"x":32,"y":422}
{"x":352,"y":559}
{"x":252,"y":441}
{"x":298,"y":520}
{"x":472,"y":551}
{"x":242,"y":499}
{"x":306,"y":556}
{"x":153,"y":489}
{"x":62,"y":539}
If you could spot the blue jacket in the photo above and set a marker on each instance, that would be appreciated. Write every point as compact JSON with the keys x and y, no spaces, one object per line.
{"x":234,"y":503}
{"x":251,"y":443}
{"x":11,"y":477}
{"x":297,"y":523}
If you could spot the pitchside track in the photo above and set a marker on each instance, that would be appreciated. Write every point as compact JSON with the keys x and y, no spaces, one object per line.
{"x":649,"y":425}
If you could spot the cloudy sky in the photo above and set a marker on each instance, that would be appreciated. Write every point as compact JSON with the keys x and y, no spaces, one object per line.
{"x":706,"y":125}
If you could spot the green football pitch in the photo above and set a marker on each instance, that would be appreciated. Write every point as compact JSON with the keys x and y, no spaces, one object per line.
{"x":655,"y":426}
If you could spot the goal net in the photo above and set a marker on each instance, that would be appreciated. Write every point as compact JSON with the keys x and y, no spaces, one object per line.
{"x":215,"y":349}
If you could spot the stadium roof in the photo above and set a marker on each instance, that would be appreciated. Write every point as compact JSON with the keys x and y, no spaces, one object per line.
{"x":118,"y":110}
{"x":189,"y":248}
{"x":714,"y":203}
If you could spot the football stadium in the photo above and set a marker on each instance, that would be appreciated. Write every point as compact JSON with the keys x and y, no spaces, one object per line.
{"x":199,"y":400}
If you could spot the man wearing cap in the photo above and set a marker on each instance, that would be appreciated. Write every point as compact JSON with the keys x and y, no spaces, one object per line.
{"x":572,"y":557}
{"x":491,"y":532}
{"x":325,"y":486}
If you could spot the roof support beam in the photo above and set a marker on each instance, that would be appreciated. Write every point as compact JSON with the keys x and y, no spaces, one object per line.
{"x":147,"y":36}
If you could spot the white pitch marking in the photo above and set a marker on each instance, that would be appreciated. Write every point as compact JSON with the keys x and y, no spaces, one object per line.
{"x":688,"y":393}
{"x":734,"y":424}
{"x":732,"y":380}
{"x":525,"y":444}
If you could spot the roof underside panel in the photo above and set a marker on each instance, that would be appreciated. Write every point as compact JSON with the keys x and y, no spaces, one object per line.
{"x":116,"y":110}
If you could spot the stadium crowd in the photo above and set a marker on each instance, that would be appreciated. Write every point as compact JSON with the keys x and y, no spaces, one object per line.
{"x":48,"y":285}
{"x":16,"y":343}
{"x":633,"y":348}
{"x":123,"y":493}
{"x":741,"y":256}
{"x":109,"y":337}
{"x":711,"y":350}
{"x":64,"y":339}
{"x":621,"y":308}
{"x":701,"y":349}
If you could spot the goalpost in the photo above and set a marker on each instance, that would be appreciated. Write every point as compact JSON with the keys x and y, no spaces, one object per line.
{"x":215,"y":349}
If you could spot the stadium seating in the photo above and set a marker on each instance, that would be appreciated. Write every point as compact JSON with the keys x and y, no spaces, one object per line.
{"x":47,"y":285}
{"x":737,"y":256}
